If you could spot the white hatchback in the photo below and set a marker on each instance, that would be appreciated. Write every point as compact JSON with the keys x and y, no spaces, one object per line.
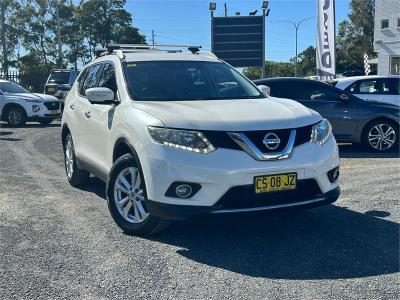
{"x":372,"y":88}
{"x":180,"y":134}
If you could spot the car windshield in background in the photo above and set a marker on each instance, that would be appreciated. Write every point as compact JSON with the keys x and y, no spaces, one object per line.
{"x":59,"y":77}
{"x":12,"y":88}
{"x":186,"y":81}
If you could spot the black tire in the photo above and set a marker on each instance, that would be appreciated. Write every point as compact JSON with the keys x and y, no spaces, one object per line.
{"x":151,"y":224}
{"x":78,"y":176}
{"x":370,"y":128}
{"x":45,"y":121}
{"x":15,"y":116}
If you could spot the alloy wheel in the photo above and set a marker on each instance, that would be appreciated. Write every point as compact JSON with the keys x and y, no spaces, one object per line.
{"x":129,"y":195}
{"x":382,"y":137}
{"x":14,"y":117}
{"x":69,"y":158}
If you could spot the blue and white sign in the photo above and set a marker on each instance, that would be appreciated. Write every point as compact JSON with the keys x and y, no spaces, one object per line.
{"x":326,"y":56}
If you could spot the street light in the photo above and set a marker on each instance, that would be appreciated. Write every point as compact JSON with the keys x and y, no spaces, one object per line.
{"x":296,"y":27}
{"x":212,"y":8}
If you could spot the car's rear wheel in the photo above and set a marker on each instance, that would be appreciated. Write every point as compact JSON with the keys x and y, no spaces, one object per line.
{"x":15,"y":116}
{"x":381,"y":136}
{"x":75,"y":175}
{"x":126,"y":196}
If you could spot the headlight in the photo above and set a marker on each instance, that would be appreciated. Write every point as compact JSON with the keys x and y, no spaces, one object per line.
{"x":321,"y":132}
{"x":33,"y":101}
{"x":182,"y":139}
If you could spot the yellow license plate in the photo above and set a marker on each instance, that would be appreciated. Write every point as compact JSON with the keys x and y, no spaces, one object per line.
{"x":275,"y":183}
{"x":53,"y":112}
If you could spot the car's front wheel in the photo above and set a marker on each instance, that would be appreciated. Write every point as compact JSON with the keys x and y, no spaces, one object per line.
{"x":126,"y":196}
{"x":381,"y":136}
{"x":75,"y":175}
{"x":15,"y":116}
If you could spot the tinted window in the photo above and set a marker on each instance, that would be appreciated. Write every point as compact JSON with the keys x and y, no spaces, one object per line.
{"x":281,"y":89}
{"x":107,"y":78}
{"x":91,"y":78}
{"x":368,"y":87}
{"x":186,"y":80}
{"x":315,"y":92}
{"x":59,"y":77}
{"x":12,"y":88}
{"x":391,"y":86}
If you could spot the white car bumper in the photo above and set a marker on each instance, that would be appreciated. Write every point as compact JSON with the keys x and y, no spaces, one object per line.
{"x":224,"y":172}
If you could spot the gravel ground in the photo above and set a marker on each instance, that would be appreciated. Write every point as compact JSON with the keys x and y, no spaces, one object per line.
{"x":59,"y":242}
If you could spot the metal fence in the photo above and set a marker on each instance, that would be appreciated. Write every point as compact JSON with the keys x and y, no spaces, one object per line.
{"x":33,"y":82}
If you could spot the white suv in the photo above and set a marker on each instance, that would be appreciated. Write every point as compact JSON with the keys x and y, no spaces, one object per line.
{"x":18,"y":105}
{"x":180,"y":134}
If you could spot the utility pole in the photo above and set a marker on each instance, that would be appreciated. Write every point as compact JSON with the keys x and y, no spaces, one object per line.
{"x":60,"y":54}
{"x":152,"y":37}
{"x":4,"y":63}
{"x":225,"y":10}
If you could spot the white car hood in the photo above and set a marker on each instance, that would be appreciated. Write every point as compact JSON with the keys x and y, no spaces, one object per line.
{"x":29,"y":96}
{"x":231,"y":115}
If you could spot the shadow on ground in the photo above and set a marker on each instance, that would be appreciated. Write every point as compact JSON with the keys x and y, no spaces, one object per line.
{"x":330,"y":242}
{"x":355,"y":151}
{"x":326,"y":243}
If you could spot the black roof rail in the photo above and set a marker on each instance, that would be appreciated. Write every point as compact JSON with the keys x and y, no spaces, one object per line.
{"x":141,"y":47}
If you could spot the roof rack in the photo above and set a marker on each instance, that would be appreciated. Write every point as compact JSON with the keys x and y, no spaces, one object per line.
{"x":127,"y":48}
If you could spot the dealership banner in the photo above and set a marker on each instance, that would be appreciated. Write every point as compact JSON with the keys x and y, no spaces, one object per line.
{"x":326,"y":56}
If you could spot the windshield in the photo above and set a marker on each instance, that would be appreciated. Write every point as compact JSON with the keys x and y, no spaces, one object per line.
{"x":12,"y":88}
{"x":186,"y":80}
{"x":59,"y":77}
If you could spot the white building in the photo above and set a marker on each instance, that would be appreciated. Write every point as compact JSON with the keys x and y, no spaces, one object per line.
{"x":387,"y":36}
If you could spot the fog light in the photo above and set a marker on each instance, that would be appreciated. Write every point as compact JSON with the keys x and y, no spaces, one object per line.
{"x":183,"y":190}
{"x":333,"y":174}
{"x":35,"y":108}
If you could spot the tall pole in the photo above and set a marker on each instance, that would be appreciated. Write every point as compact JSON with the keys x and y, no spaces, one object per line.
{"x":60,"y":54}
{"x":295,"y":59}
{"x":296,"y":27}
{"x":225,"y":10}
{"x":4,"y":63}
{"x":263,"y":56}
{"x":152,"y":37}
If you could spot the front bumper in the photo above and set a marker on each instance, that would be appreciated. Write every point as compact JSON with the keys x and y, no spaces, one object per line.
{"x":182,"y":212}
{"x":222,"y":170}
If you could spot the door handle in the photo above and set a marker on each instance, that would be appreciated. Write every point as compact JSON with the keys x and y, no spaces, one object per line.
{"x":88,"y":114}
{"x":72,"y":106}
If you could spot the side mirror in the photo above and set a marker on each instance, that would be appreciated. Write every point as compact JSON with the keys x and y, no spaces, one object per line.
{"x":99,"y":95}
{"x":265,"y":89}
{"x":344,"y":97}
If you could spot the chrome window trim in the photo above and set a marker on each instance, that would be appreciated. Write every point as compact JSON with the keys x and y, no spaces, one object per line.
{"x":248,"y":146}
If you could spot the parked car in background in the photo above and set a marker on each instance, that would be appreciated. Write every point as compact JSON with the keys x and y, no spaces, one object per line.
{"x":374,"y":124}
{"x":59,"y":83}
{"x":376,"y":88}
{"x":351,"y":73}
{"x":18,"y":105}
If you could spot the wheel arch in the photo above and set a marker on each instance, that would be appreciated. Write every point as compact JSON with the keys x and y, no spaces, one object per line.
{"x":380,"y":118}
{"x":9,"y":105}
{"x":121,"y":147}
{"x":64,"y":131}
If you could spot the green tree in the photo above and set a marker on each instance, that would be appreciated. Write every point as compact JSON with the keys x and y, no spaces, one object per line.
{"x":106,"y":21}
{"x":8,"y":34}
{"x":356,"y":36}
{"x":34,"y":22}
{"x":306,"y":62}
{"x":272,"y":69}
